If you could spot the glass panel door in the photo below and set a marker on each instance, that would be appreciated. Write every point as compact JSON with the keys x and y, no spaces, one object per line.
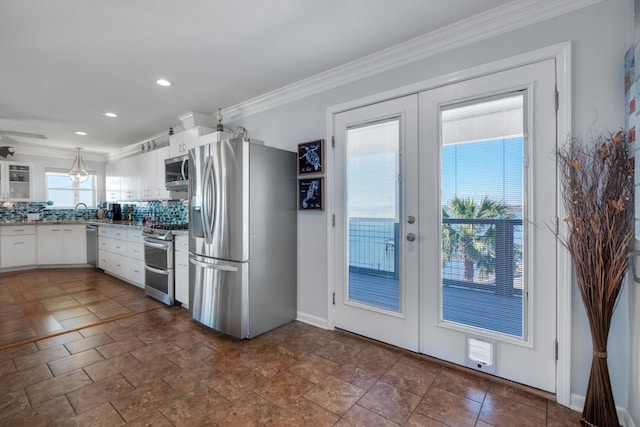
{"x":376,"y":231}
{"x":19,"y":182}
{"x":372,"y":202}
{"x":482,"y":211}
{"x":487,"y":197}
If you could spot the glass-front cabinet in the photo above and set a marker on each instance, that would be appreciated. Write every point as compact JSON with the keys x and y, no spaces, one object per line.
{"x":16,"y":181}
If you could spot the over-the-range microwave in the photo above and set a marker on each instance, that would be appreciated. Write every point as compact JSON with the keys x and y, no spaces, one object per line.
{"x":176,"y":173}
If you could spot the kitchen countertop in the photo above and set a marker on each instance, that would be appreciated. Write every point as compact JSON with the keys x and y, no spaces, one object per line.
{"x":112,"y":223}
{"x":79,"y":222}
{"x":10,"y":223}
{"x":98,"y":222}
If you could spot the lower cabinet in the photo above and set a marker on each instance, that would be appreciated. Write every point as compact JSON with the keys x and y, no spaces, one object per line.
{"x":17,"y":246}
{"x":62,"y":244}
{"x":181,"y":270}
{"x":121,"y":253}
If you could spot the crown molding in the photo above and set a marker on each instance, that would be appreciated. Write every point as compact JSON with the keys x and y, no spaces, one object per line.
{"x":161,"y":140}
{"x":514,"y":15}
{"x":56,"y":152}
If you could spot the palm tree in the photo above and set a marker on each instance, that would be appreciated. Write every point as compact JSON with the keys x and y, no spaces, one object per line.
{"x":475,"y":242}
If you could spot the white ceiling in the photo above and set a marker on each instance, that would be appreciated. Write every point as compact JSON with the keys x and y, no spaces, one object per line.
{"x":63,"y":63}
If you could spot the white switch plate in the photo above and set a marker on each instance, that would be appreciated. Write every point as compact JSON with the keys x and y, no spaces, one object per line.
{"x":33,"y":217}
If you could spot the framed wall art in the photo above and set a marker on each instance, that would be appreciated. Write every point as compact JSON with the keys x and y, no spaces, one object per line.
{"x":311,"y":157}
{"x":311,"y":194}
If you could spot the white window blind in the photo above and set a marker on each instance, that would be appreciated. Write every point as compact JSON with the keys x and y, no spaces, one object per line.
{"x":482,"y":203}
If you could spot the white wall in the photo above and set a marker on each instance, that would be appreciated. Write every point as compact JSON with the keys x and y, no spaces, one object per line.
{"x":599,"y":37}
{"x":40,"y":163}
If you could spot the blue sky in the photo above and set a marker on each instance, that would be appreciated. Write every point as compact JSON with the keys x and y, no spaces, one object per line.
{"x":488,"y":168}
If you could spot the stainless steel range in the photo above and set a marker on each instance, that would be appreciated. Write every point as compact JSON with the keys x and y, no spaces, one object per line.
{"x":158,"y":260}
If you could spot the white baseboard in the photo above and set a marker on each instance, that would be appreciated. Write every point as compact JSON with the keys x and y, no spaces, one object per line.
{"x":312,"y":320}
{"x":577,"y":403}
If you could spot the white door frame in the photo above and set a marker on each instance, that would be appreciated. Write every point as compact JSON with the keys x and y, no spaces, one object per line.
{"x":562,"y":55}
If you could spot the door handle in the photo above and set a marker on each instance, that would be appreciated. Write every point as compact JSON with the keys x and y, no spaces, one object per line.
{"x":411,"y":237}
{"x":213,"y":266}
{"x":157,"y":271}
{"x":411,"y":219}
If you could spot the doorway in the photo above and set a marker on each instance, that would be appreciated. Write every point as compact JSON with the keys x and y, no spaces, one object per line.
{"x":445,"y":201}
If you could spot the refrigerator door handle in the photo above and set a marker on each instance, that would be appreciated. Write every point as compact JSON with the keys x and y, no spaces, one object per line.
{"x":213,"y":266}
{"x":208,"y":200}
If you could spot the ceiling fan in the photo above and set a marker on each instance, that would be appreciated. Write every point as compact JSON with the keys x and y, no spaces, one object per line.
{"x":5,"y":138}
{"x":9,"y":133}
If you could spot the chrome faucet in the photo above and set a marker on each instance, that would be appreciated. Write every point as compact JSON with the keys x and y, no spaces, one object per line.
{"x":86,"y":209}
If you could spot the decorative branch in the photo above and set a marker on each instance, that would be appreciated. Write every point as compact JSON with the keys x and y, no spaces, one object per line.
{"x":597,"y":191}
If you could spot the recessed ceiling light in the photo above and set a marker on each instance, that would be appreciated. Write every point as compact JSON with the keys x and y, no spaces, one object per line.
{"x":81,"y":133}
{"x":109,"y":114}
{"x":163,"y":82}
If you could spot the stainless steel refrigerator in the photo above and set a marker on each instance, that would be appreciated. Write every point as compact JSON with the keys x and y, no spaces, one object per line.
{"x":242,"y":236}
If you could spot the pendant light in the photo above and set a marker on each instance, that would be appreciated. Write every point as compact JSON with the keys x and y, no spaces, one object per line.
{"x":78,"y":172}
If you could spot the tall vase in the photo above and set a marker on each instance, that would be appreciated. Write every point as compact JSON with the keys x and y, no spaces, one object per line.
{"x":599,"y":406}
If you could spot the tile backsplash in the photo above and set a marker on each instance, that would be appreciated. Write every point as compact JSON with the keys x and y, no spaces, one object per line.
{"x":167,"y":211}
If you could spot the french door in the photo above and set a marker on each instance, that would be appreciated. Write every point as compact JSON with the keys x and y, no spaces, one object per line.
{"x":444,"y":204}
{"x":376,"y":157}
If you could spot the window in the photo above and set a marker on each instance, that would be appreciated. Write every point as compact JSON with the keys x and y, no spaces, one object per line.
{"x":482,"y":174}
{"x":64,"y":193}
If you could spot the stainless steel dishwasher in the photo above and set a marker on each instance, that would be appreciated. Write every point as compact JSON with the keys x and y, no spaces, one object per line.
{"x":92,"y":245}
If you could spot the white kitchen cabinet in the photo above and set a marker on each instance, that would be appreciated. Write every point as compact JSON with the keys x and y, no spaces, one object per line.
{"x":134,"y":269}
{"x":74,"y":244}
{"x":152,"y":175}
{"x":130,"y":171}
{"x":16,"y":181}
{"x":181,"y":269}
{"x":61,"y":244}
{"x":113,"y":182}
{"x":121,"y":253}
{"x":180,"y":143}
{"x":135,"y":257}
{"x":104,"y":260}
{"x":139,"y":177}
{"x":17,"y":246}
{"x":161,"y":191}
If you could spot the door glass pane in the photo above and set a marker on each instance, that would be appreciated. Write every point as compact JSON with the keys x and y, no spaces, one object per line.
{"x":482,"y":211}
{"x":373,"y":207}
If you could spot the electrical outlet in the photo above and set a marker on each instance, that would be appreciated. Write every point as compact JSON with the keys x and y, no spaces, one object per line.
{"x":33,"y":217}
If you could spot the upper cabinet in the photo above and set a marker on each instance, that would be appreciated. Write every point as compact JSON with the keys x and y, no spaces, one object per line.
{"x":152,"y":184}
{"x":180,"y":143}
{"x":139,"y":177}
{"x":16,"y":181}
{"x":113,"y":181}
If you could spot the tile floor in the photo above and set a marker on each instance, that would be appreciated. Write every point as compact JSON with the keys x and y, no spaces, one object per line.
{"x":38,"y":303}
{"x":158,"y":368}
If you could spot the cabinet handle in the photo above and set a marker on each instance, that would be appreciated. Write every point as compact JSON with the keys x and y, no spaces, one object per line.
{"x":18,"y":243}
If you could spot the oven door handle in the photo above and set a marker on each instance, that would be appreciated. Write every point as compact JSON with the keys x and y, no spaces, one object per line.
{"x":156,"y":245}
{"x":157,"y":270}
{"x":213,"y":266}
